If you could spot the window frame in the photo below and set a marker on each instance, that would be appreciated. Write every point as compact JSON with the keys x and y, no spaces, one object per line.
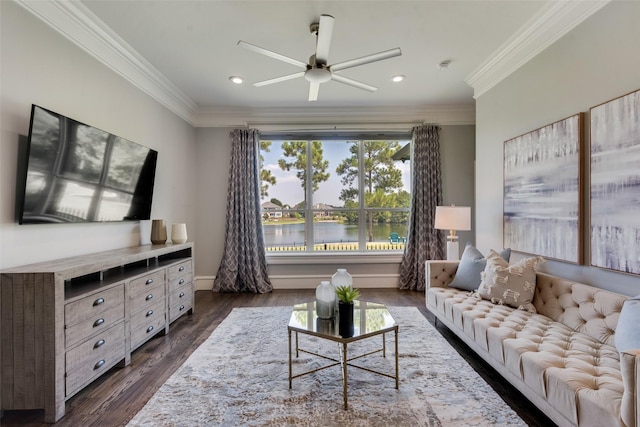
{"x":331,"y":257}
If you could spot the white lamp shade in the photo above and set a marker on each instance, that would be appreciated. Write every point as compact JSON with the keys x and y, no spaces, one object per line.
{"x":453,"y":218}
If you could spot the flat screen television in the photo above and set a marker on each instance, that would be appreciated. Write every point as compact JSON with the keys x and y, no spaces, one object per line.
{"x":74,"y":172}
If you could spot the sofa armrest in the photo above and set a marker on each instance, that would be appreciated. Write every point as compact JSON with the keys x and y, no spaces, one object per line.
{"x":630,"y":370}
{"x":439,"y":273}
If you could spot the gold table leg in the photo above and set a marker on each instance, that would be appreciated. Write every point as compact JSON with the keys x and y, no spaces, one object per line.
{"x":344,"y":373}
{"x":397,"y":375}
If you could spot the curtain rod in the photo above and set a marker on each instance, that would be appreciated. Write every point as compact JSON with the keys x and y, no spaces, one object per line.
{"x":342,"y":127}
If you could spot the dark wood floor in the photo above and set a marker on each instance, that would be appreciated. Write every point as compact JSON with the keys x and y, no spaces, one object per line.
{"x":114,"y":399}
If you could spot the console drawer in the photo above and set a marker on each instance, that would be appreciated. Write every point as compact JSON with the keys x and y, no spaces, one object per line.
{"x":151,"y":294}
{"x":93,"y":325}
{"x":180,"y":302}
{"x":92,"y":305}
{"x":143,"y":283}
{"x":145,"y":325}
{"x":93,"y":357}
{"x":180,"y":282}
{"x":180,"y":269}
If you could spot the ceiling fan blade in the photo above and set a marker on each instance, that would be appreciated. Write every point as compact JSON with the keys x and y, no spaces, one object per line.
{"x":325,"y":32}
{"x":366,"y":59}
{"x":279,"y":79}
{"x":314,"y":88}
{"x":272,"y":54}
{"x":354,"y":83}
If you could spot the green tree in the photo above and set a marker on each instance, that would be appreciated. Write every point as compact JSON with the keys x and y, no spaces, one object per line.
{"x":276,"y":202}
{"x":266,"y":177}
{"x":295,"y":158}
{"x":382,"y":179}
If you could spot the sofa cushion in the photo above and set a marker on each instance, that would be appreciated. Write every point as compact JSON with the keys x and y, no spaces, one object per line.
{"x":512,"y":285}
{"x":471,"y":266}
{"x":627,"y":331}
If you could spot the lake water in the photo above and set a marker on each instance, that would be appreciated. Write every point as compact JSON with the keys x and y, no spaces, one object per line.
{"x":326,"y":232}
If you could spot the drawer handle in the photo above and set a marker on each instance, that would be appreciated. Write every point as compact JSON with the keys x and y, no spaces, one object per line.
{"x":181,"y":307}
{"x":148,"y":297}
{"x":149,"y":313}
{"x":99,"y":364}
{"x":98,"y":302}
{"x":181,"y":282}
{"x":149,"y":329}
{"x":98,"y":322}
{"x":99,"y":343}
{"x":181,"y":295}
{"x":149,"y":281}
{"x":181,"y":268}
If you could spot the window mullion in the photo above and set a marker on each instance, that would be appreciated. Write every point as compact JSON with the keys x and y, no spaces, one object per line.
{"x":362,"y":217}
{"x":308,"y":209}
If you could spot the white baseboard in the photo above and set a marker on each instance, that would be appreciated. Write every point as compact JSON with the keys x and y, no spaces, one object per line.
{"x":378,"y":281}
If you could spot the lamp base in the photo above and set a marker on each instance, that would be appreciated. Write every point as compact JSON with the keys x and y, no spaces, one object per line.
{"x":453,"y":252}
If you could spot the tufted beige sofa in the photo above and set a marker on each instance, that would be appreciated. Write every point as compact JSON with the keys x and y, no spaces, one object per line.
{"x":562,"y":358}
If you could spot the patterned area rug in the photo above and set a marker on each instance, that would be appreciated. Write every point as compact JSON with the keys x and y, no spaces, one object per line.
{"x":239,"y":376}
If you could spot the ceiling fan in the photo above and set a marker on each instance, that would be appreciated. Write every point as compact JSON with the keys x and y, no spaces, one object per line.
{"x":317,"y":71}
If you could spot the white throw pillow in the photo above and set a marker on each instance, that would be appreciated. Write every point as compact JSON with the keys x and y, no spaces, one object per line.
{"x":512,"y":285}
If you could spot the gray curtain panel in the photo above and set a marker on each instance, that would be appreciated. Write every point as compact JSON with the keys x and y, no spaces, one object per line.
{"x":423,"y":241}
{"x":244,"y":266}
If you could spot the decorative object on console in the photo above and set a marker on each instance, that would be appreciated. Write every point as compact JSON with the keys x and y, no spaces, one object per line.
{"x":325,"y":300}
{"x":627,"y":331}
{"x":179,"y":233}
{"x":512,"y":285}
{"x":453,"y":218}
{"x":145,"y":232}
{"x":346,"y":296}
{"x":543,"y":191}
{"x":472,"y":264}
{"x":158,"y":232}
{"x":615,"y":144}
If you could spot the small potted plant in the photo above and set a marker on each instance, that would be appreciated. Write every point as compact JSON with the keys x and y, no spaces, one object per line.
{"x":346,"y":295}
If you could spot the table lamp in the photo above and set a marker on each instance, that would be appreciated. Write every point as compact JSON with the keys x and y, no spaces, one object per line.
{"x":453,"y":218}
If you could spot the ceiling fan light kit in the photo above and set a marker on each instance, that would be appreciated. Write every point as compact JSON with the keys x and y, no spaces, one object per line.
{"x":317,"y":70}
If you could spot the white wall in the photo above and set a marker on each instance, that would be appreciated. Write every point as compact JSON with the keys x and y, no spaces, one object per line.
{"x":39,"y":66}
{"x":594,"y":63}
{"x":213,"y":151}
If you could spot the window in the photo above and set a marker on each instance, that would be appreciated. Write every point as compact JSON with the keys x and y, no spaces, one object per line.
{"x":328,"y":195}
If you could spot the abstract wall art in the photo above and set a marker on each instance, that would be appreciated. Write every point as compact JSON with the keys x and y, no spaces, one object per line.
{"x":615,"y":184}
{"x":543,"y":190}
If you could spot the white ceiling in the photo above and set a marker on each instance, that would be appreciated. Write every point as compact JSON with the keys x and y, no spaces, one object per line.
{"x":182,"y":52}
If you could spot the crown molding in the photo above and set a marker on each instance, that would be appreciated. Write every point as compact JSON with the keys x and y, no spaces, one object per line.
{"x":383,"y":116}
{"x":77,"y":23}
{"x":554,"y":20}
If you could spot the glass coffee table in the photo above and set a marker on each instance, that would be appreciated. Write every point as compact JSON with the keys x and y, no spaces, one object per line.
{"x":370,"y":320}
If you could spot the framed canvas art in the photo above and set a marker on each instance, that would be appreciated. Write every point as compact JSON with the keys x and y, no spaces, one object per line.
{"x":615,"y":184}
{"x":543,"y":190}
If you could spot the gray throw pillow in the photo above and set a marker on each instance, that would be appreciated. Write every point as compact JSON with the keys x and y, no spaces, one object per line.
{"x":627,"y":330}
{"x":472,"y":264}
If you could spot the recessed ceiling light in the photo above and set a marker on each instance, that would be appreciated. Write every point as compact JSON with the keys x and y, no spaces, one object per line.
{"x":398,"y":78}
{"x":237,"y":80}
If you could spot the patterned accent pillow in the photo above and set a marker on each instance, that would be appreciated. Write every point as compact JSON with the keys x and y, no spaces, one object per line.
{"x":471,"y":266}
{"x":512,"y":285}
